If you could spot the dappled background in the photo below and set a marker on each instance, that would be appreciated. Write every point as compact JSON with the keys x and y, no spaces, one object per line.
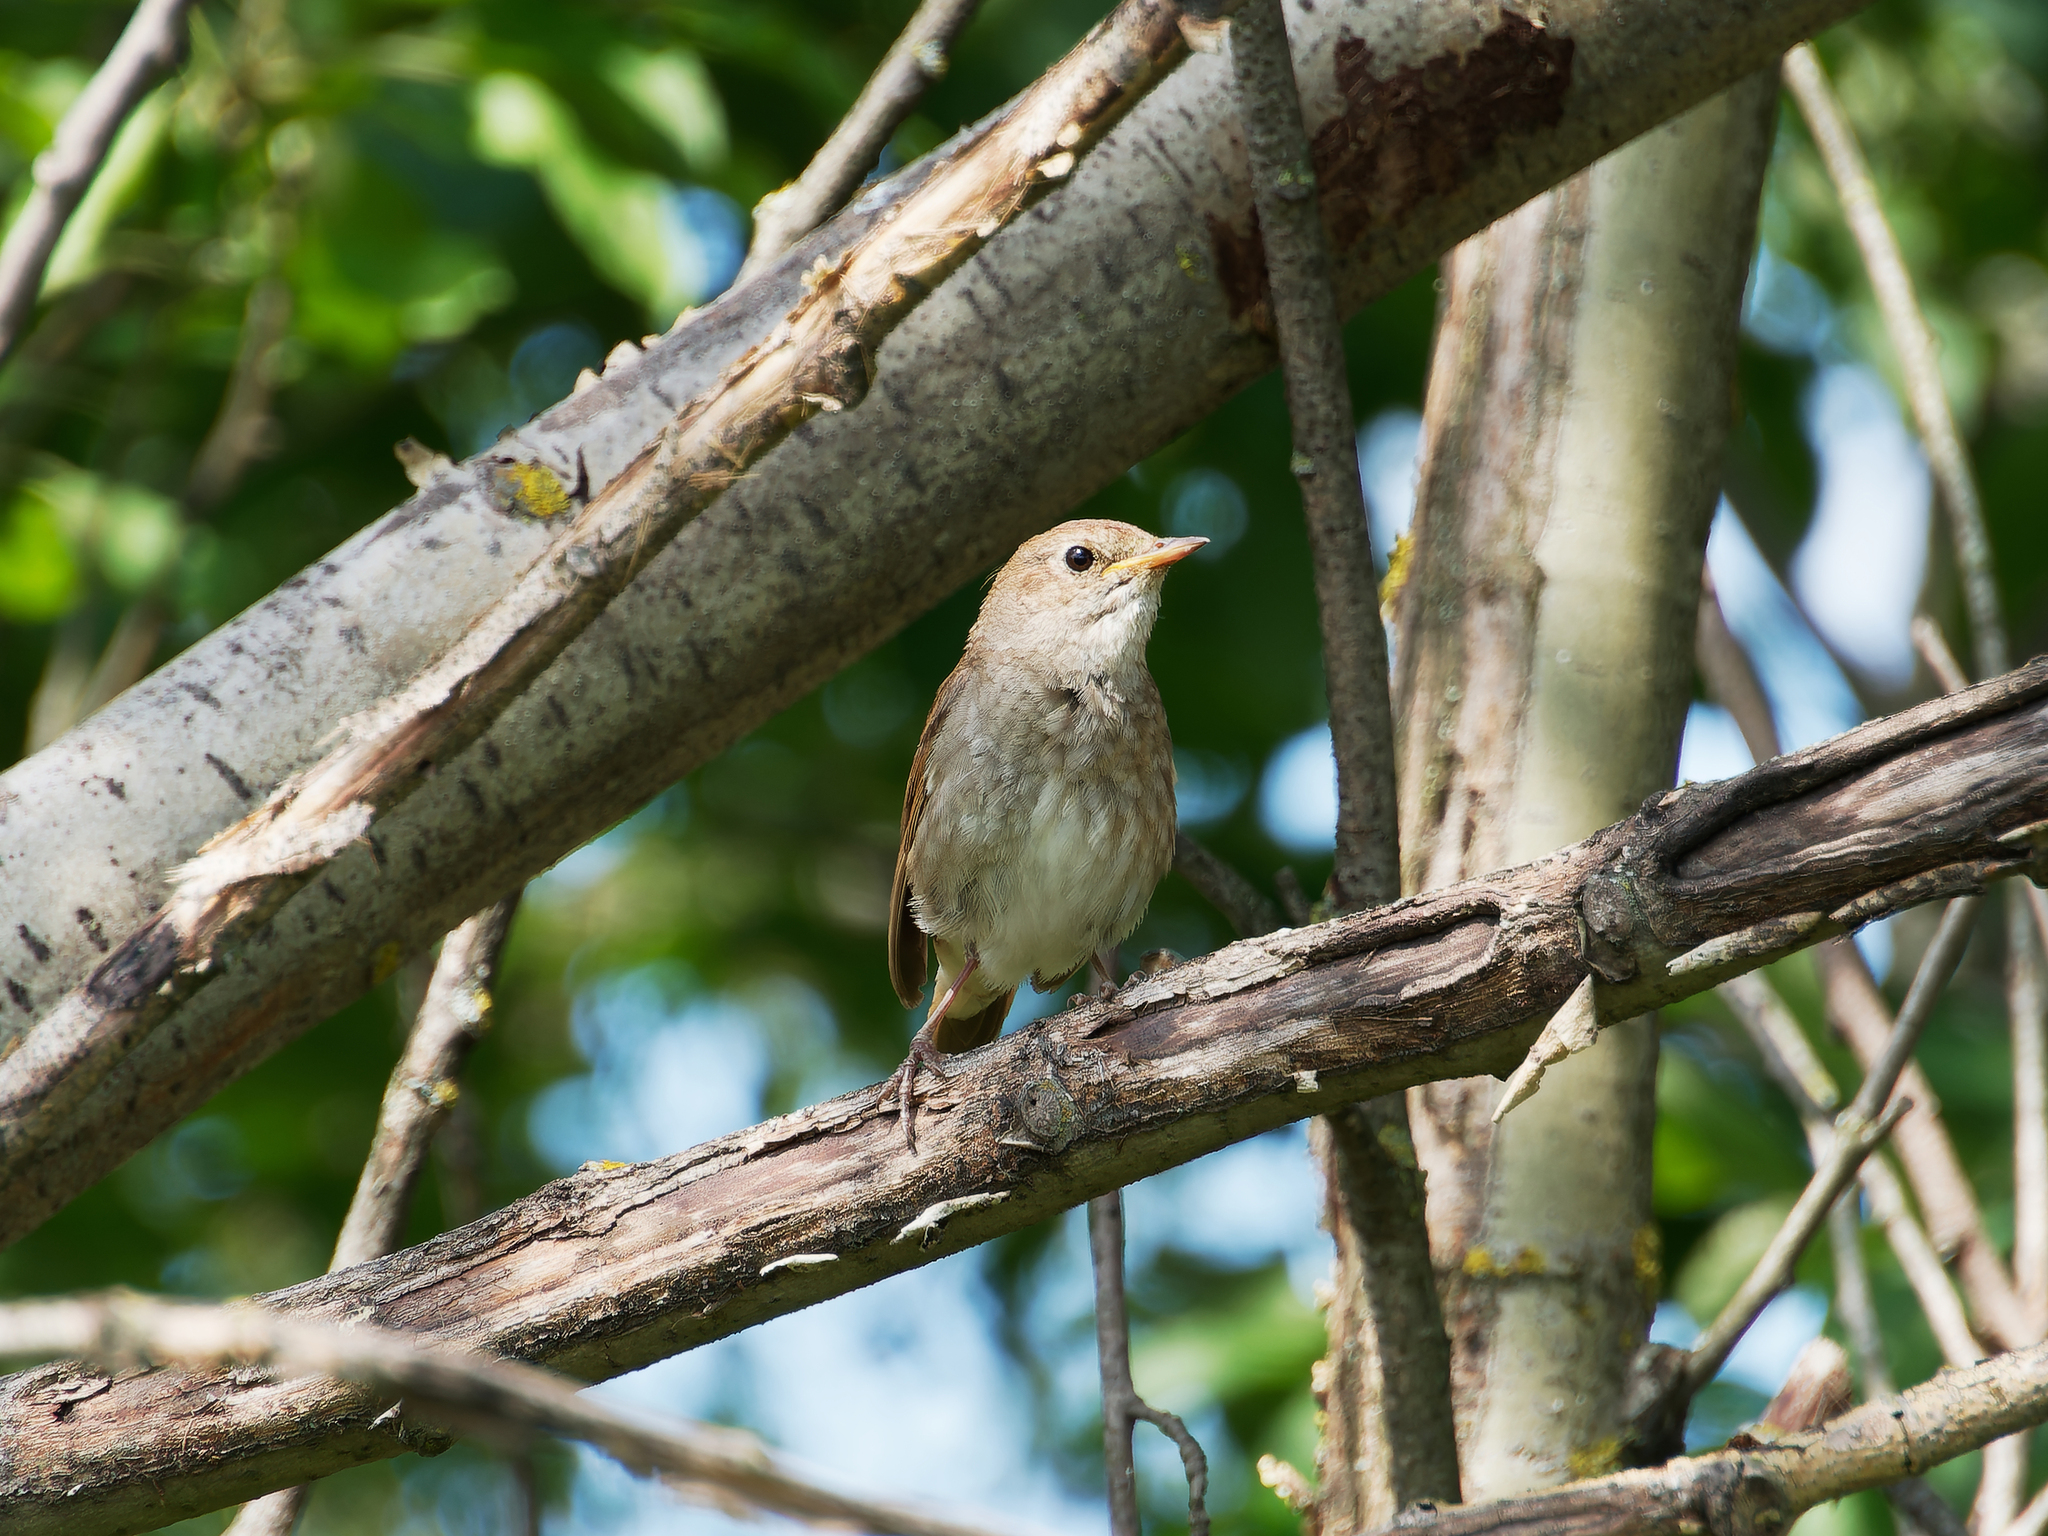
{"x":348,"y":223}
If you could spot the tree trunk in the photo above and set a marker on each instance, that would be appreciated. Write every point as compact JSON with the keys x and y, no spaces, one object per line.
{"x":1578,"y":405}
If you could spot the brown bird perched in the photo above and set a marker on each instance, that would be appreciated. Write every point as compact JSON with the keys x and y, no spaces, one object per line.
{"x":1039,"y":814}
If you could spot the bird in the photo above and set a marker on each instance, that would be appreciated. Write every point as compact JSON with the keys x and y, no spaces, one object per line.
{"x":1039,"y":814}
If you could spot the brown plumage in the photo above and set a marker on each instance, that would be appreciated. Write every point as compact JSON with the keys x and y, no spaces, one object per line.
{"x":1039,"y":813}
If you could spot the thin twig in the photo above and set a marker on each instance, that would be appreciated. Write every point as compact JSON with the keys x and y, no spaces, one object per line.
{"x":2028,"y":1009}
{"x":1789,"y":1058}
{"x":819,"y":359}
{"x":1122,"y":1408}
{"x":1933,"y":647}
{"x":150,"y":44}
{"x":422,"y":1089}
{"x":1856,"y":1010}
{"x":1922,"y":1266}
{"x":1293,"y":899}
{"x":1913,"y":341}
{"x":2032,"y":1520}
{"x":1731,"y":677}
{"x":118,"y":1328}
{"x":892,"y":93}
{"x":1856,"y":1132}
{"x":1244,"y":906}
{"x":1325,"y":460}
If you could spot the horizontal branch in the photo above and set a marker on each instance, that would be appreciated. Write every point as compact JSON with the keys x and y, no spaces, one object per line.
{"x":616,"y":1267}
{"x":1094,"y":331}
{"x":1762,"y":1487}
{"x":121,"y":1330}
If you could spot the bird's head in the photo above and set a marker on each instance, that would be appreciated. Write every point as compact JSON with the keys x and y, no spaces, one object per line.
{"x":1082,"y":595}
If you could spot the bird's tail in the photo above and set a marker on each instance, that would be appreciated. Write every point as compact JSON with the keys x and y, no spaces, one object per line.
{"x":963,"y":1032}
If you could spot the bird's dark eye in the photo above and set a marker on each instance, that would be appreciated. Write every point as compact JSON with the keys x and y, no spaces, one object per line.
{"x":1080,"y":557}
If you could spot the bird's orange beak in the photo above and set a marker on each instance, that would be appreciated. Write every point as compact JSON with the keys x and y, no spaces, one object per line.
{"x":1164,"y":553}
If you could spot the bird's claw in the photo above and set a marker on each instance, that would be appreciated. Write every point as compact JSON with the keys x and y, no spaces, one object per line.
{"x":903,"y":1084}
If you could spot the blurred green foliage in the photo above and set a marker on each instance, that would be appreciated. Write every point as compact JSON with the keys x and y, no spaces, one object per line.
{"x":348,"y":222}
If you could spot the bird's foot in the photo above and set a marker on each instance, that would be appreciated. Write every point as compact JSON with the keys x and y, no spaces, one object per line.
{"x":903,"y":1083}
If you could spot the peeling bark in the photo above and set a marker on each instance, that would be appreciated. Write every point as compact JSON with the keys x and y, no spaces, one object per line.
{"x":614,"y":1268}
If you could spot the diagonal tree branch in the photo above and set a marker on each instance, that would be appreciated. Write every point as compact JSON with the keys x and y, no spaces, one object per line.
{"x":720,"y":1466}
{"x":820,"y":358}
{"x":892,"y":93}
{"x":149,"y":45}
{"x":616,"y":1267}
{"x":1091,"y":333}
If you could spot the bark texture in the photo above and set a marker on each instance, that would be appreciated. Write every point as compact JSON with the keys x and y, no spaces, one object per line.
{"x":1108,"y":320}
{"x":1576,"y":415}
{"x":614,"y":1268}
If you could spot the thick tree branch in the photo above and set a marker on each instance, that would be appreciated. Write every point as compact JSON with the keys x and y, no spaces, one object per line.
{"x":1106,"y":322}
{"x":149,"y":45}
{"x":892,"y":93}
{"x":819,"y":358}
{"x":616,"y":1267}
{"x":1762,"y":1488}
{"x":459,"y":1388}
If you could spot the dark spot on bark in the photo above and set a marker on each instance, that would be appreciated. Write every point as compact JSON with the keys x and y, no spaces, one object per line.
{"x":430,"y":542}
{"x":893,"y":393}
{"x":908,"y":469}
{"x":974,"y":303}
{"x":662,"y":395}
{"x":136,"y":969}
{"x":116,"y":788}
{"x":994,"y":280}
{"x":352,"y":637}
{"x":93,"y":933}
{"x":791,"y":561}
{"x":419,"y":858}
{"x":1241,"y":269}
{"x":1416,"y":133}
{"x":561,"y":715}
{"x":200,"y":694}
{"x":1004,"y":386}
{"x":35,"y":945}
{"x":333,"y":892}
{"x":473,"y":795}
{"x":232,"y":779}
{"x":20,"y":995}
{"x":815,"y":513}
{"x":377,"y":850}
{"x":331,"y":602}
{"x":490,"y":751}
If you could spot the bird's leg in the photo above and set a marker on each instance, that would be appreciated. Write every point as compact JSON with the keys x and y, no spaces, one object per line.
{"x":1102,"y":971}
{"x":924,"y":1051}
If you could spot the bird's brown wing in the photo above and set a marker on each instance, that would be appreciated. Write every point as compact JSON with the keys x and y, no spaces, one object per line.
{"x":906,"y":940}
